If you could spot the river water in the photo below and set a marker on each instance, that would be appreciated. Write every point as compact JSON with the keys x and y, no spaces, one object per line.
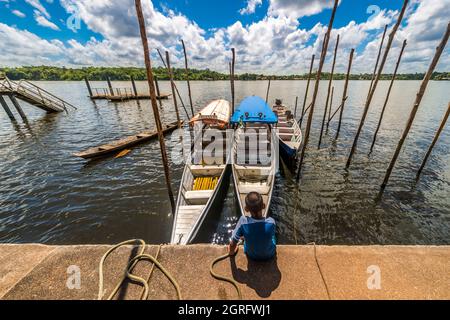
{"x":49,"y":196}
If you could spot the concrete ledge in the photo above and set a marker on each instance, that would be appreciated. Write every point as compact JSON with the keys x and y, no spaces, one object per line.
{"x":40,"y":272}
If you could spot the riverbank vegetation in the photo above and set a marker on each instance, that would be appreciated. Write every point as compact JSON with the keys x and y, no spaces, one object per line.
{"x":124,"y":73}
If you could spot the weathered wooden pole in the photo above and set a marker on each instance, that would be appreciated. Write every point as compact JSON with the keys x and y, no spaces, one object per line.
{"x":307,"y":88}
{"x":133,"y":84}
{"x":316,"y":88}
{"x":268,"y":91}
{"x":111,"y":89}
{"x":233,"y":64}
{"x":374,"y":87}
{"x":436,"y":137}
{"x":378,"y":61}
{"x":419,"y":97}
{"x":151,"y":85}
{"x":158,"y":92}
{"x":328,"y":92}
{"x":172,"y":85}
{"x":7,"y":109}
{"x":329,"y":109}
{"x":176,"y":88}
{"x":18,"y":108}
{"x":88,"y":85}
{"x":187,"y":77}
{"x":387,"y":97}
{"x":344,"y":94}
{"x":295,"y":109}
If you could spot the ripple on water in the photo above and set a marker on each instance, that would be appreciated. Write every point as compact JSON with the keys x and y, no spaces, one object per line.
{"x":49,"y":196}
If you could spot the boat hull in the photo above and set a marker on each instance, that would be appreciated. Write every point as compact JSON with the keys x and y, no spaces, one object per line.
{"x":287,"y":154}
{"x":213,"y":205}
{"x":111,"y":148}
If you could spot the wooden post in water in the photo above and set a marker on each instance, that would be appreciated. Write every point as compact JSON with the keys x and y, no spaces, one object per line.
{"x":176,"y":88}
{"x":158,"y":92}
{"x":7,"y":109}
{"x":295,"y":109}
{"x":307,"y":88}
{"x":374,"y":87}
{"x":419,"y":97}
{"x":436,"y":137}
{"x":344,"y":94}
{"x":316,"y":88}
{"x":233,"y":63}
{"x":172,"y":85}
{"x":329,"y":109}
{"x":151,"y":85}
{"x":268,"y":91}
{"x":88,"y":85}
{"x":18,"y":108}
{"x":133,"y":85}
{"x":378,"y":61}
{"x":111,"y":90}
{"x":328,"y":92}
{"x":387,"y":97}
{"x":187,"y":77}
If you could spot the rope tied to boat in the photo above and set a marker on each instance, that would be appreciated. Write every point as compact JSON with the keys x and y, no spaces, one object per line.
{"x":128,"y":274}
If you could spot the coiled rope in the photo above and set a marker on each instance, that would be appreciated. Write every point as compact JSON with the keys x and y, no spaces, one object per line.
{"x":131,"y":265}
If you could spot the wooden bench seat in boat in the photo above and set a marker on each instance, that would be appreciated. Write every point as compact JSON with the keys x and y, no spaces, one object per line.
{"x":209,"y":160}
{"x":209,"y":170}
{"x":284,"y":125}
{"x":286,"y":136}
{"x":252,"y":171}
{"x":198,"y":197}
{"x":254,"y":187}
{"x":286,"y":130}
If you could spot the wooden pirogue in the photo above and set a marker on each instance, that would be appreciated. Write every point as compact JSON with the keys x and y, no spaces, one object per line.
{"x":289,"y":134}
{"x":254,"y":151}
{"x":125,"y":143}
{"x":205,"y":181}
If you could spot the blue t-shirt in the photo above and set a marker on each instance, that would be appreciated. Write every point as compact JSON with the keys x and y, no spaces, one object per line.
{"x":259,"y":237}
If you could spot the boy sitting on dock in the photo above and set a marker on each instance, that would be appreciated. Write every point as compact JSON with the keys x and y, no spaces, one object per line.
{"x":257,"y":231}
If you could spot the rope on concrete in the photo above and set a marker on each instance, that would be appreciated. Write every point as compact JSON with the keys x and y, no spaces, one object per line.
{"x":223,"y":278}
{"x":131,"y":265}
{"x":320,"y":270}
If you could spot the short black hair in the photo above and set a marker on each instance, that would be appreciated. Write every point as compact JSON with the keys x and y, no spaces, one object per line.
{"x":254,"y":202}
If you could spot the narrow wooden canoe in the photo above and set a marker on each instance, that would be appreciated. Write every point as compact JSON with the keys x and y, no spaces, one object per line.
{"x":289,"y":135}
{"x":253,"y":177}
{"x":204,"y":184}
{"x":126,"y":143}
{"x":202,"y":190}
{"x":253,"y":169}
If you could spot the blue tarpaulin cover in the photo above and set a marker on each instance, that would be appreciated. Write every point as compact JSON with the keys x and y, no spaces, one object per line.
{"x":254,"y":109}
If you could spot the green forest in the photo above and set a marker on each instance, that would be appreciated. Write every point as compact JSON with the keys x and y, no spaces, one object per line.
{"x":124,"y":73}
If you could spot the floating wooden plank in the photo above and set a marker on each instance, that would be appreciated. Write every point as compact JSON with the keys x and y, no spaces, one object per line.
{"x":126,"y":143}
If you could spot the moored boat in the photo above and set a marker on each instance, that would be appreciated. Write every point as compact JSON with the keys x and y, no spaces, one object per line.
{"x":289,"y":134}
{"x":125,"y":143}
{"x":255,"y":158}
{"x":205,"y":181}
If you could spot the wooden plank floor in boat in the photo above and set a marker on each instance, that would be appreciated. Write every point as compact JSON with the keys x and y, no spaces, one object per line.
{"x":186,"y":219}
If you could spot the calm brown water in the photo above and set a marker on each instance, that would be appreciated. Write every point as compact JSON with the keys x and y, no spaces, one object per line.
{"x":49,"y":196}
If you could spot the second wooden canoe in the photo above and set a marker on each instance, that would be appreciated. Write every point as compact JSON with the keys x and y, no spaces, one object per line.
{"x":125,"y":143}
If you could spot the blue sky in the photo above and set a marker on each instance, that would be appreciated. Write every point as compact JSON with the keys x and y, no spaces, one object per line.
{"x":273,"y":36}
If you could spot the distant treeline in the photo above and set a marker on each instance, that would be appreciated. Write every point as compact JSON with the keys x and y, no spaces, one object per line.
{"x":124,"y":73}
